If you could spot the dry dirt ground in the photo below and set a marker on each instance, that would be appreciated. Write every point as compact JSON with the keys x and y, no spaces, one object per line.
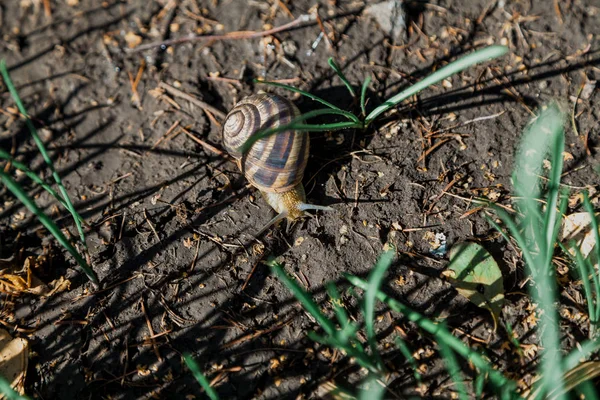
{"x":171,"y":221}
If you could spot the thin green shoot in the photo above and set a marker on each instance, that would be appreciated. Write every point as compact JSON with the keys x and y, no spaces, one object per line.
{"x":453,"y":369}
{"x":300,"y":91}
{"x":307,"y":302}
{"x":375,"y":279}
{"x":587,"y":205}
{"x":341,"y":75}
{"x":497,"y":379}
{"x":552,"y":220}
{"x":587,"y":390}
{"x":193,"y":366}
{"x":513,"y":338}
{"x":585,"y":269}
{"x":582,"y":352}
{"x":453,"y":68}
{"x":36,"y":179}
{"x":334,"y":338}
{"x":22,"y":196}
{"x":403,"y":347}
{"x":479,"y":385}
{"x":336,"y":301}
{"x":372,"y":389}
{"x":363,"y":96}
{"x":349,"y":329}
{"x":545,"y":135}
{"x":297,"y":124}
{"x":42,"y":148}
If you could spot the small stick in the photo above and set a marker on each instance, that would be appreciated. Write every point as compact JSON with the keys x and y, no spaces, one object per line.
{"x":202,"y":143}
{"x":149,"y":324}
{"x":151,"y":227}
{"x":193,"y":264}
{"x":322,"y":27}
{"x":557,"y":11}
{"x":178,"y":93}
{"x":47,"y":9}
{"x":213,"y":119}
{"x":166,"y":135}
{"x":432,"y":148}
{"x":237,"y":35}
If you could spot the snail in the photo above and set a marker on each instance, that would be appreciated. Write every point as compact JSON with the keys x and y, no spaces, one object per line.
{"x":274,"y":164}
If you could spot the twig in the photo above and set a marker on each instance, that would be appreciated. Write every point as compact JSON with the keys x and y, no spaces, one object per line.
{"x":151,"y":226}
{"x":149,"y":324}
{"x":237,"y":35}
{"x":178,"y":93}
{"x":202,"y":143}
{"x":193,"y":264}
{"x":166,"y":135}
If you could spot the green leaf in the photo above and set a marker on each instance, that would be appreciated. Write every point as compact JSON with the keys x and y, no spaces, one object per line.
{"x":454,"y":67}
{"x":475,"y":275}
{"x":341,"y":75}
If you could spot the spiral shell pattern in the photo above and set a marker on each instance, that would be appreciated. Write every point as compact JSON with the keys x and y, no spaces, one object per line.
{"x":274,"y":164}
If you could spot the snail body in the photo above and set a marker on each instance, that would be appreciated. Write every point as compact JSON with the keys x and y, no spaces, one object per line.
{"x":274,"y":164}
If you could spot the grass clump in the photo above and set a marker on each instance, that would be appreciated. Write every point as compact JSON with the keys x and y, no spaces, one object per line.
{"x":536,"y":232}
{"x":540,"y":206}
{"x":364,"y":120}
{"x":62,"y":196}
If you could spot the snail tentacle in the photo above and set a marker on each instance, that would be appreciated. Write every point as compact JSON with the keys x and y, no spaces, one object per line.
{"x":306,"y":207}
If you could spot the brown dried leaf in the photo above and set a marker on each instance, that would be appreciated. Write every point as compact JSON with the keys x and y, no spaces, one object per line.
{"x":13,"y":360}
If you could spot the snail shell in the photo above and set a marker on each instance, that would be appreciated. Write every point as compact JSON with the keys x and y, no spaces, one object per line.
{"x":274,"y":164}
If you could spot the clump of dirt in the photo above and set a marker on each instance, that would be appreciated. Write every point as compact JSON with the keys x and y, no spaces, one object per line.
{"x":171,"y":220}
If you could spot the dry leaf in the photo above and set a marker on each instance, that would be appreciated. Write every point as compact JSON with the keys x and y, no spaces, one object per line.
{"x":475,"y":275}
{"x":577,"y":228}
{"x":13,"y":361}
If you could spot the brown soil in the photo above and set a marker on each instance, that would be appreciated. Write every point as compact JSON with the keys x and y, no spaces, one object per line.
{"x":172,"y":223}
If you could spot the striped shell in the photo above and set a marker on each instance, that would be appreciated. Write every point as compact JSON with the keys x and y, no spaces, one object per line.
{"x":273,"y":164}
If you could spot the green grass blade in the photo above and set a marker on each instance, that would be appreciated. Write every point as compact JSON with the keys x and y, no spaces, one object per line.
{"x":20,"y":194}
{"x":303,"y":297}
{"x":514,"y":230}
{"x":552,"y":220}
{"x":587,"y":391}
{"x":403,"y":347}
{"x":36,"y":179}
{"x":453,"y":369}
{"x":499,"y":381}
{"x":374,"y":280}
{"x":302,"y":92}
{"x":587,"y":205}
{"x":479,"y":385}
{"x":363,"y":95}
{"x":339,"y":73}
{"x":581,"y":353}
{"x":338,"y":308}
{"x":542,"y":137}
{"x":584,"y":270}
{"x":297,"y":125}
{"x":372,"y":389}
{"x":193,"y":366}
{"x":8,"y":392}
{"x":351,"y":350}
{"x":455,"y":67}
{"x":40,"y":144}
